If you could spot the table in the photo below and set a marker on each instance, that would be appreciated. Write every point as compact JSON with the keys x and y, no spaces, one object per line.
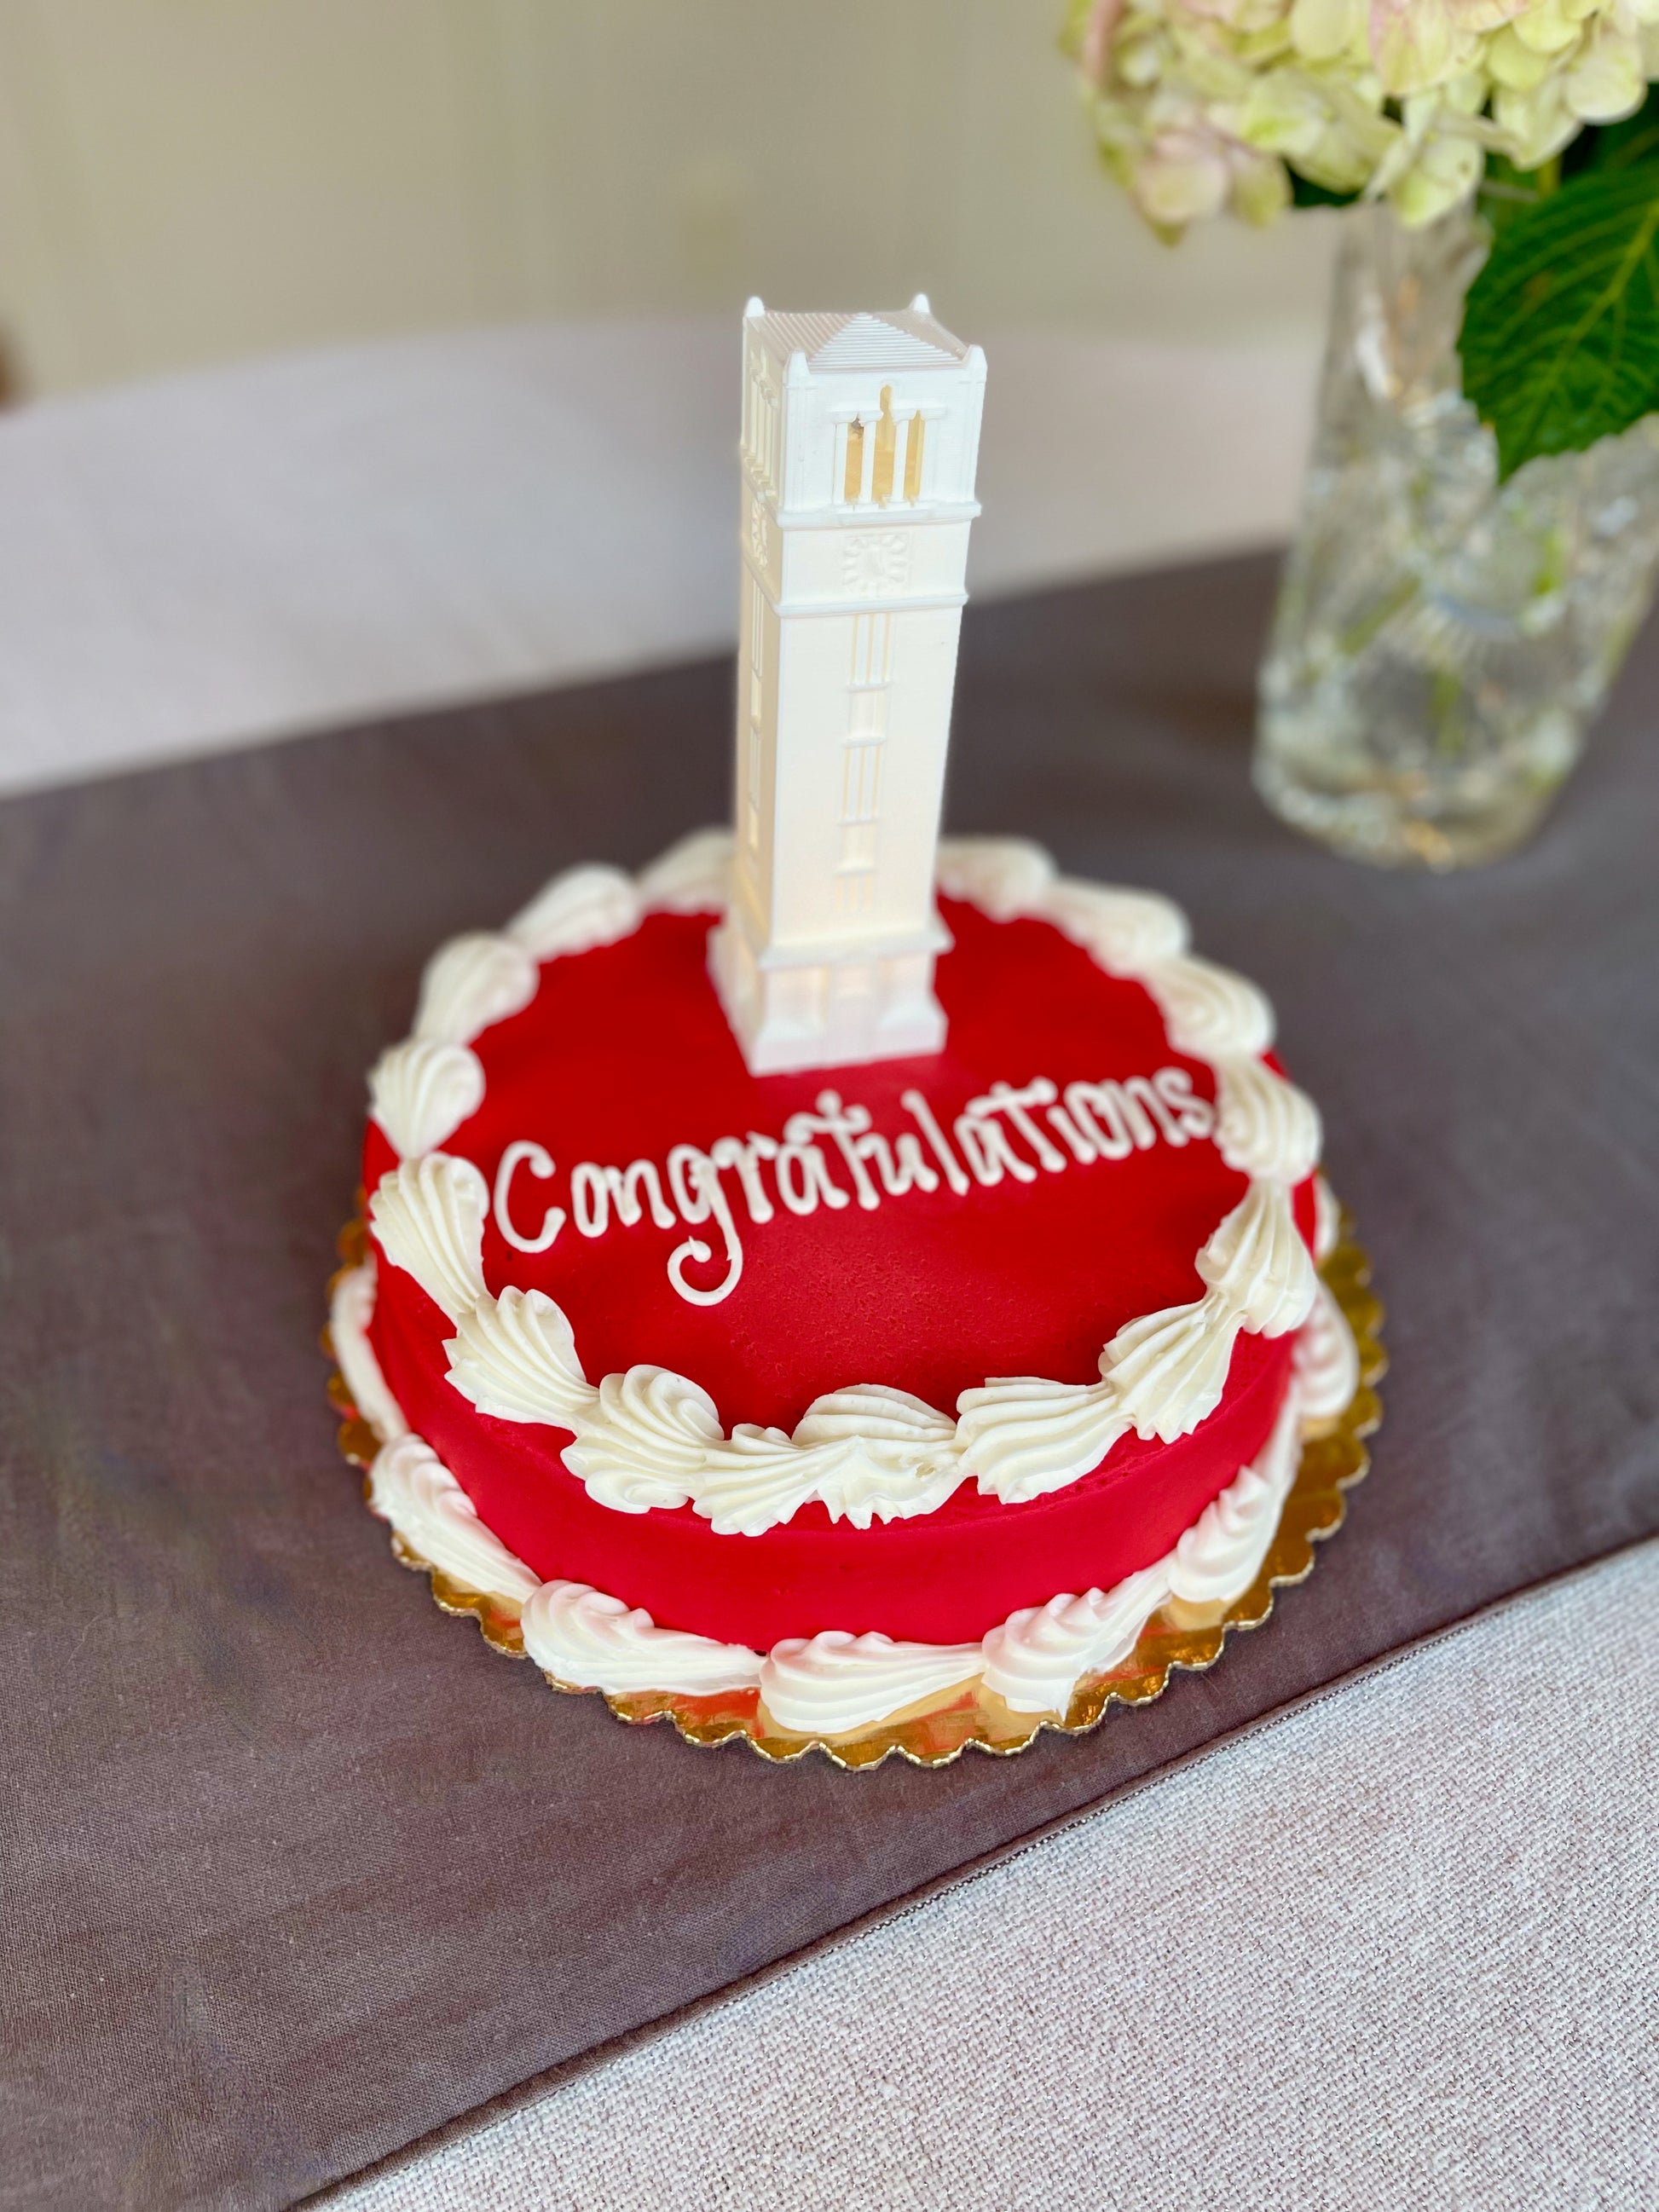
{"x":294,"y":1858}
{"x":1361,"y":1957}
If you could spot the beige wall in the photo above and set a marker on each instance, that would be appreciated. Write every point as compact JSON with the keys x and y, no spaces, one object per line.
{"x":189,"y":180}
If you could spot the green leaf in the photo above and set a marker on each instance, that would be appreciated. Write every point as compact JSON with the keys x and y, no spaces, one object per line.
{"x":1560,"y":336}
{"x":1305,"y":194}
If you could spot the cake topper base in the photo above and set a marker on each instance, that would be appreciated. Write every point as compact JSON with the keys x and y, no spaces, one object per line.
{"x":874,"y":1002}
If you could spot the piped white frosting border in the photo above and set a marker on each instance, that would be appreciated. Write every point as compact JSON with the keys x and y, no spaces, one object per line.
{"x":649,"y":1437}
{"x":836,"y":1683}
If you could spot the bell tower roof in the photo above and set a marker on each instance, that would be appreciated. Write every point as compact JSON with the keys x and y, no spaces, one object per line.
{"x":905,"y":338}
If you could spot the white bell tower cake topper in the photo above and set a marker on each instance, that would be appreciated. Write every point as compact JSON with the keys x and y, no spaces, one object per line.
{"x":860,"y":436}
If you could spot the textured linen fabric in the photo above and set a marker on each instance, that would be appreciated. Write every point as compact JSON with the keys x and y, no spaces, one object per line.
{"x":248,"y":551}
{"x":1394,"y":1947}
{"x":296,"y":1869}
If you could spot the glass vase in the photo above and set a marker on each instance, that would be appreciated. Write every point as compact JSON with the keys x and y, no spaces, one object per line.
{"x":1442,"y":642}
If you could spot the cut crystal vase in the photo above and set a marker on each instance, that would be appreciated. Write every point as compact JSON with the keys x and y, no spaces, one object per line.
{"x":1442,"y":642}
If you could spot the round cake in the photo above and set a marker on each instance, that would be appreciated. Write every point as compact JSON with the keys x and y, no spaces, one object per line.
{"x":840,"y":1397}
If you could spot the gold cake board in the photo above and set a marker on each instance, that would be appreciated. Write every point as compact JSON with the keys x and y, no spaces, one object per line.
{"x":935,"y":1733}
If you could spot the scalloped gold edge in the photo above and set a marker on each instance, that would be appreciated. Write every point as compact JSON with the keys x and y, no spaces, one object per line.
{"x":1178,"y":1637}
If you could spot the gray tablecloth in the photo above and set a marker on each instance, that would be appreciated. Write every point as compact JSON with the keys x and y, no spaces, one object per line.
{"x":298,"y":1870}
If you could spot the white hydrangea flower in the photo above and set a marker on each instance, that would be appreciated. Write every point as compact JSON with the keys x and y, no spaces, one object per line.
{"x":1203,"y":106}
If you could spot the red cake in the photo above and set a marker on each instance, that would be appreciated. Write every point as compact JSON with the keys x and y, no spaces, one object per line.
{"x":852,"y":1392}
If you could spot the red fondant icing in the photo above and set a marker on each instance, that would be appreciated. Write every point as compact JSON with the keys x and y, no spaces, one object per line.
{"x":625,"y":1054}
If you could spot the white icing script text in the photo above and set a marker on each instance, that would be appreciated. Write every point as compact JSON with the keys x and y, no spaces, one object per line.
{"x":834,"y":1158}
